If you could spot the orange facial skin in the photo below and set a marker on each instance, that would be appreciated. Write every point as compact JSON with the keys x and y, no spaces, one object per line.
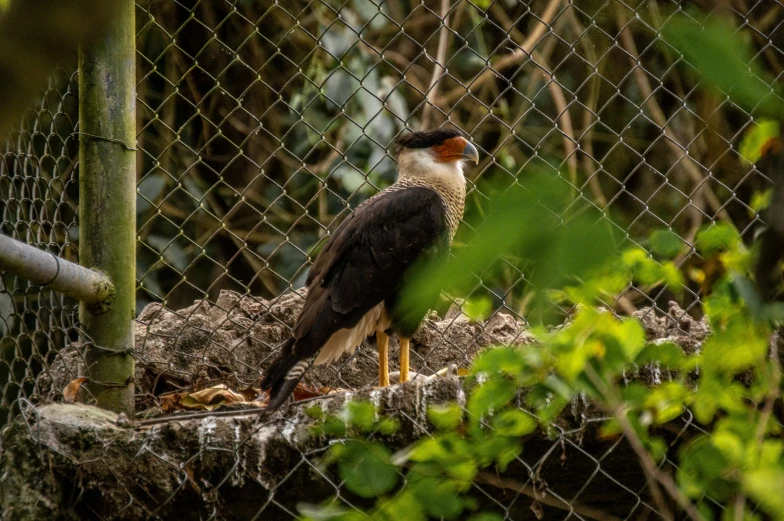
{"x":450,"y":150}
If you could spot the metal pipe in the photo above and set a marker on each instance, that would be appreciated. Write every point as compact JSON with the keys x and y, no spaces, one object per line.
{"x":107,"y":204}
{"x":46,"y":269}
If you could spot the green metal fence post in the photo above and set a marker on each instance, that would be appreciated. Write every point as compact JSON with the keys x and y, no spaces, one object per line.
{"x":107,"y":204}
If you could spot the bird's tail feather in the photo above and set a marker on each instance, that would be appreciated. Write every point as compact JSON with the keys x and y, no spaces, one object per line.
{"x":282,"y":377}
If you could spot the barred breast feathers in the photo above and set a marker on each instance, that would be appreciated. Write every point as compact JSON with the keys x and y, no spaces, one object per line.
{"x":418,"y":168}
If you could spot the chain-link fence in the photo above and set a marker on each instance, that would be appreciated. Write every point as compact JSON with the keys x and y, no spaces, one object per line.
{"x":38,"y":200}
{"x":262,"y":124}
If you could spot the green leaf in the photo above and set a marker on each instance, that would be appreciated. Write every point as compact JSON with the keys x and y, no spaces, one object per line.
{"x":478,"y":309}
{"x":665,"y":243}
{"x":706,"y":400}
{"x":447,"y":449}
{"x":740,"y":345}
{"x":717,"y":391}
{"x":771,"y":450}
{"x":361,"y":415}
{"x":514,"y":422}
{"x":402,"y":506}
{"x":445,"y":417}
{"x":730,"y":444}
{"x":440,"y":497}
{"x":764,"y":485}
{"x":491,"y":395}
{"x":668,"y":354}
{"x":635,"y":394}
{"x":430,"y":449}
{"x":548,"y":400}
{"x":722,"y":56}
{"x":491,"y":448}
{"x":482,"y":4}
{"x":658,"y":449}
{"x":761,"y":200}
{"x":649,"y":271}
{"x":463,"y":470}
{"x":632,"y":337}
{"x":333,"y":426}
{"x":315,"y":412}
{"x":388,"y":426}
{"x":749,"y":292}
{"x":754,"y":140}
{"x":366,"y":468}
{"x":668,"y":401}
{"x":445,"y":454}
{"x":509,"y":360}
{"x":702,"y":469}
{"x":611,"y":428}
{"x":559,"y":387}
{"x":511,"y":449}
{"x":718,"y":237}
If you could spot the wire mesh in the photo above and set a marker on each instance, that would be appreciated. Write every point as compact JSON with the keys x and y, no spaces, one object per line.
{"x":262,"y":124}
{"x":38,"y":204}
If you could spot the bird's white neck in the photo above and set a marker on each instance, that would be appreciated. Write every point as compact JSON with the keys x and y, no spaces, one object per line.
{"x":418,"y":167}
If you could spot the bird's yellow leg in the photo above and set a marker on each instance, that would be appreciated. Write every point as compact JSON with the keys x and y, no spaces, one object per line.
{"x":383,"y":359}
{"x":403,"y":360}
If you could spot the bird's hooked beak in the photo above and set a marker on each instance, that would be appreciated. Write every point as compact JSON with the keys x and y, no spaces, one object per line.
{"x":470,"y":152}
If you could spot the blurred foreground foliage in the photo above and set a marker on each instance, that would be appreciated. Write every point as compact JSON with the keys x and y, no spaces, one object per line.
{"x":38,"y":36}
{"x":730,"y":386}
{"x":534,"y":228}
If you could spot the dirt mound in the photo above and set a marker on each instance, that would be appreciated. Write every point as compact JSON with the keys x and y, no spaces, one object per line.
{"x":234,"y":340}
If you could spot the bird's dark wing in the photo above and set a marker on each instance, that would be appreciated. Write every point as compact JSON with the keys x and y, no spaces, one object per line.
{"x":366,"y":259}
{"x":363,"y":263}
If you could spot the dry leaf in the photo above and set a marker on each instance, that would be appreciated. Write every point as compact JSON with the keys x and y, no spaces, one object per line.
{"x":331,"y":390}
{"x":71,"y":391}
{"x":211,"y":398}
{"x":192,"y":478}
{"x":536,"y":508}
{"x":170,"y":401}
{"x":262,"y":398}
{"x":303,"y":392}
{"x":206,"y":399}
{"x":250,"y":393}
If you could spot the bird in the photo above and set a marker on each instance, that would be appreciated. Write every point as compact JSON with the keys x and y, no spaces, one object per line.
{"x":354,"y":285}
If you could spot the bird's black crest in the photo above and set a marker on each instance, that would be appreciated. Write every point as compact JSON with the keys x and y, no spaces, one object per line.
{"x":426,"y":138}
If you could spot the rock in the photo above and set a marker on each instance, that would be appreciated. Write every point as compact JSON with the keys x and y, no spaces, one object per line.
{"x":62,"y":462}
{"x":457,"y":339}
{"x":676,"y":326}
{"x":182,"y":468}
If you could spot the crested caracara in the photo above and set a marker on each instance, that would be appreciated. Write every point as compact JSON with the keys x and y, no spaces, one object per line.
{"x":355,"y":282}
